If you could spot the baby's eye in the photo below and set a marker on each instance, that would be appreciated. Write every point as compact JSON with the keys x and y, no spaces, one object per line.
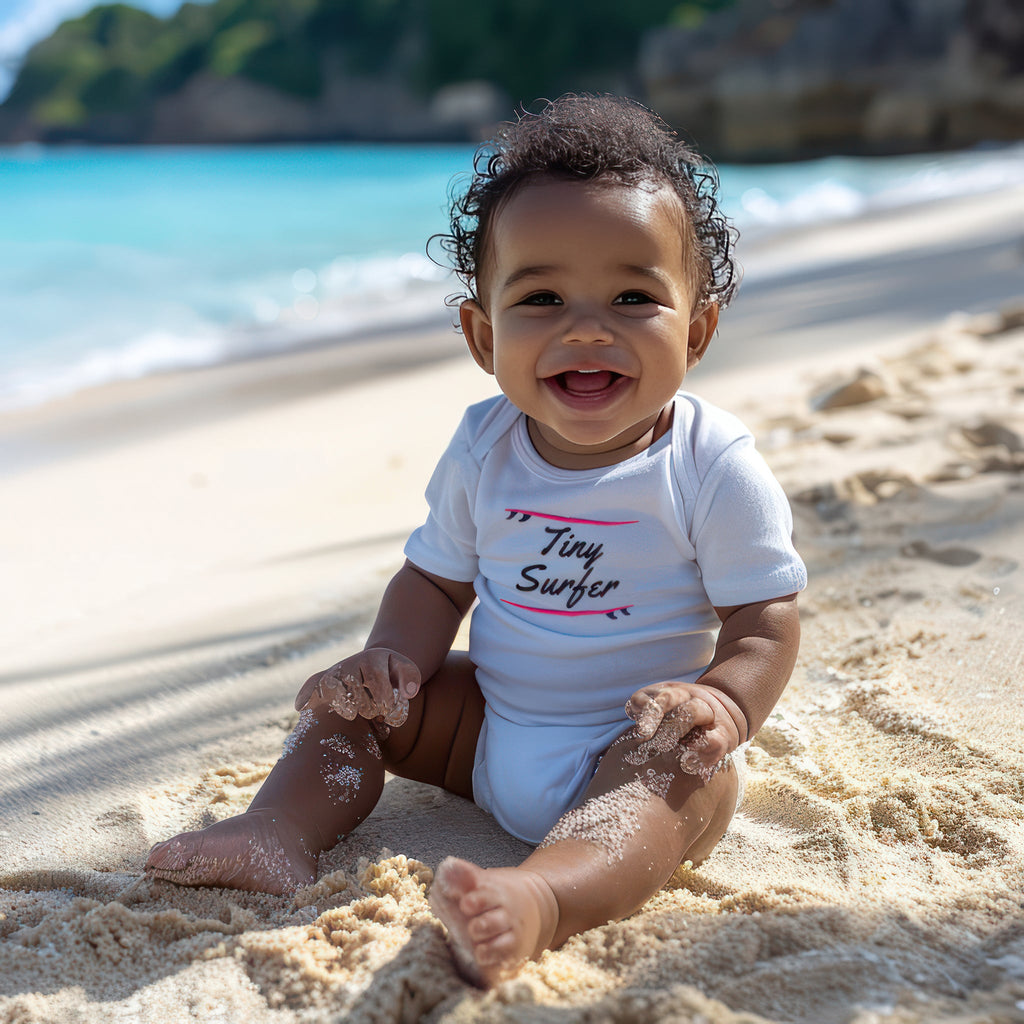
{"x":633,"y":299}
{"x":541,"y":299}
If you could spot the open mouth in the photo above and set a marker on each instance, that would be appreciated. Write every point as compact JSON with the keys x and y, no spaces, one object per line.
{"x":586,"y":382}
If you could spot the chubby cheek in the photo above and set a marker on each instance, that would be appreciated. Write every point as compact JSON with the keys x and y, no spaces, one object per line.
{"x":667,"y":370}
{"x":514,"y":368}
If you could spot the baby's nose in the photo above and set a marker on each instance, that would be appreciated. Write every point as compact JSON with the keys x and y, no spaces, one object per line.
{"x":588,"y":328}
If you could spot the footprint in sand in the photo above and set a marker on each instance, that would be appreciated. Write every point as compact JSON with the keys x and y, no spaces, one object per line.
{"x":123,"y":816}
{"x":955,"y":556}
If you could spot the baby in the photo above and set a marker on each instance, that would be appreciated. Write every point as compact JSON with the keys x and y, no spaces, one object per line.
{"x":628,"y":551}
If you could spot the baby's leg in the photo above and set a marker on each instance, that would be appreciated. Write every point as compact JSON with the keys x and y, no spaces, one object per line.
{"x":327,"y":781}
{"x":600,"y":862}
{"x":437,"y":743}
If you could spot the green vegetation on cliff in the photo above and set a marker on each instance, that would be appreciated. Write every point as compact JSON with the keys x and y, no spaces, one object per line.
{"x":115,"y":61}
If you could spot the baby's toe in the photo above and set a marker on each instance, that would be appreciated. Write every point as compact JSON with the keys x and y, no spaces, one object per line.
{"x":479,"y":902}
{"x":488,"y":925}
{"x":170,"y":855}
{"x":502,"y":951}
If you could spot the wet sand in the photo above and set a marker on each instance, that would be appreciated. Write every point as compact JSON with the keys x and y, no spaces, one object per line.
{"x":178,"y":576}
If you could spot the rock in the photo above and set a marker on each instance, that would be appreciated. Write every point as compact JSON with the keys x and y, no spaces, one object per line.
{"x":786,"y":78}
{"x":470,"y":107}
{"x":984,"y":325}
{"x":951,"y":472}
{"x":212,"y":109}
{"x":866,"y":386}
{"x":838,"y":437}
{"x":910,"y":115}
{"x":992,"y":434}
{"x":952,"y":556}
{"x":990,"y":325}
{"x":1013,"y":314}
{"x":816,"y":494}
{"x":873,"y":486}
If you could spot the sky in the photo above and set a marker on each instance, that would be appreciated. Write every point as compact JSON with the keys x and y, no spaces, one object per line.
{"x":24,"y":22}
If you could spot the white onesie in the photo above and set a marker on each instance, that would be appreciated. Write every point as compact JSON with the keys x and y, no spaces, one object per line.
{"x":592,"y":584}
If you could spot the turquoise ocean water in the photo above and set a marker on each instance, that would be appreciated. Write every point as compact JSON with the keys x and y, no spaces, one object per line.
{"x":118,"y":263}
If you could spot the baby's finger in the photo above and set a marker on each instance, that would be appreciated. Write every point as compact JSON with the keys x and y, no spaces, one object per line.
{"x":398,"y":712}
{"x":693,"y":764}
{"x":345,"y":695}
{"x":649,"y":706}
{"x":370,"y":683}
{"x":700,"y":712}
{"x":405,"y":677}
{"x":335,"y":688}
{"x":646,"y":712}
{"x":309,"y":691}
{"x":703,"y":752}
{"x":344,"y":691}
{"x":372,"y":686}
{"x":678,"y":722}
{"x":666,"y":737}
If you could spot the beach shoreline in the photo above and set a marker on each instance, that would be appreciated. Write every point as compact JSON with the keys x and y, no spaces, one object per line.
{"x":187,"y":548}
{"x":771,"y":322}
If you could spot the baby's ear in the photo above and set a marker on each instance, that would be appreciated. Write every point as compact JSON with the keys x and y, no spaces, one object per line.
{"x":702,"y":330}
{"x":476,"y":326}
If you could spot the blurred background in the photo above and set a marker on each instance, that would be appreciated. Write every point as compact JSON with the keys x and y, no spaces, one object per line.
{"x":182,"y":185}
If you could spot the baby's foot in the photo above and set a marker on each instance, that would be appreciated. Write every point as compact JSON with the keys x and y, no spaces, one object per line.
{"x":248,"y":852}
{"x":496,"y":917}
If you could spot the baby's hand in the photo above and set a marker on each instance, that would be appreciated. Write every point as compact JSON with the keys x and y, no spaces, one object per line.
{"x":374,"y":684}
{"x":686,"y":717}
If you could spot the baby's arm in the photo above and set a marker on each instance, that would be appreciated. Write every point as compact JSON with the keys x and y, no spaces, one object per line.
{"x":754,"y":656}
{"x":416,"y":624}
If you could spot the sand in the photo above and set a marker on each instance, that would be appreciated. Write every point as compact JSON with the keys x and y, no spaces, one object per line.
{"x":177,"y":573}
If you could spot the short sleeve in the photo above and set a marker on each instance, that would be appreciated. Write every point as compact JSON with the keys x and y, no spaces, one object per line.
{"x":742,"y":531}
{"x":446,"y":543}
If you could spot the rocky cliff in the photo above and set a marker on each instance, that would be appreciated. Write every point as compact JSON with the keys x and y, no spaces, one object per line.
{"x":748,"y":79}
{"x":277,"y":70}
{"x":774,"y":79}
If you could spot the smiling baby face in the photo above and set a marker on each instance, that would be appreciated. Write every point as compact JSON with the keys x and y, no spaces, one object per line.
{"x":586,"y":313}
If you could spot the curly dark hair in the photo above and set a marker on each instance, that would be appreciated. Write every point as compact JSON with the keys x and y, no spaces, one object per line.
{"x":585,"y":138}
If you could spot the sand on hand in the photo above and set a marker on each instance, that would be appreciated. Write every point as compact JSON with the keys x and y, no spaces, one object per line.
{"x":873,"y":874}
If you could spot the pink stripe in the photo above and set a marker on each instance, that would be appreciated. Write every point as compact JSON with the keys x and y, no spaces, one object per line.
{"x":566,"y":519}
{"x":554,"y":611}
